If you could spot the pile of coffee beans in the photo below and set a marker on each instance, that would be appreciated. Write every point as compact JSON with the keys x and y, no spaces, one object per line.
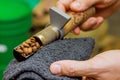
{"x":28,"y":47}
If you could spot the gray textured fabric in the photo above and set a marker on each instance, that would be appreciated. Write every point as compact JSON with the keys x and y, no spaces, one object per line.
{"x":37,"y":66}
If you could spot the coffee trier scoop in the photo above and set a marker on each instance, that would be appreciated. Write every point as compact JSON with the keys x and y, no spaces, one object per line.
{"x":60,"y":25}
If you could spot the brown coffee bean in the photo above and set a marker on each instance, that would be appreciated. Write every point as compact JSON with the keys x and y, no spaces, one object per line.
{"x":28,"y":41}
{"x":29,"y":50}
{"x":21,"y":46}
{"x":34,"y":48}
{"x":33,"y":39}
{"x":25,"y":50}
{"x":37,"y":45}
{"x":19,"y":50}
{"x":32,"y":44}
{"x":28,"y":47}
{"x":25,"y":44}
{"x":18,"y":47}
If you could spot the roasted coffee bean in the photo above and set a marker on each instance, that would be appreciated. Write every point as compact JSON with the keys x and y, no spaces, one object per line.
{"x":33,"y":44}
{"x":22,"y":47}
{"x":34,"y":48}
{"x":25,"y":44}
{"x":29,"y":50}
{"x":28,"y":41}
{"x":19,"y":47}
{"x":33,"y":39}
{"x":37,"y":45}
{"x":19,"y":50}
{"x":28,"y":47}
{"x":25,"y":50}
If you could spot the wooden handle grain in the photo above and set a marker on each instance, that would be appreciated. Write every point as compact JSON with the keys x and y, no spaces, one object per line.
{"x":78,"y":18}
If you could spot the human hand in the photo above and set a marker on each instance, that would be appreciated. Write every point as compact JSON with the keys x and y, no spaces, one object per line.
{"x":105,"y":66}
{"x":104,"y":9}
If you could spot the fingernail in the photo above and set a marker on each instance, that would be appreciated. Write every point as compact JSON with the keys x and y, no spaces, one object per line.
{"x":55,"y":69}
{"x":77,"y":31}
{"x":78,"y":5}
{"x":92,"y":22}
{"x":100,"y":21}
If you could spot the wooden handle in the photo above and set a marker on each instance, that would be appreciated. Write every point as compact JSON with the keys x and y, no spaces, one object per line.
{"x":78,"y":18}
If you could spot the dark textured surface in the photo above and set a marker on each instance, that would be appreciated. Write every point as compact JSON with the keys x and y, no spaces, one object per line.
{"x":37,"y":66}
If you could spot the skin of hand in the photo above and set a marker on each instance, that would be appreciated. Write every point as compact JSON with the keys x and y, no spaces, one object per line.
{"x":104,"y":9}
{"x":105,"y":66}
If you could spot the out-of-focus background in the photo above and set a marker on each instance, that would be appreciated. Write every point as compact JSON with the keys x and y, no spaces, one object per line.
{"x":114,"y":24}
{"x":113,"y":33}
{"x":20,"y":20}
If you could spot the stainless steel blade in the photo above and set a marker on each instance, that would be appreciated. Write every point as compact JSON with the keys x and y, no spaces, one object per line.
{"x":58,"y":18}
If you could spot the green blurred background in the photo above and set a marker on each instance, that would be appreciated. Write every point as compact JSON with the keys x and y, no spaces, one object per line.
{"x":15,"y":25}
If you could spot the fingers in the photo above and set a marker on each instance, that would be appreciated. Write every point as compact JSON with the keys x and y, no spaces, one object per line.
{"x":106,"y":3}
{"x":76,"y":31}
{"x":64,"y":5}
{"x":72,"y":68}
{"x":81,"y":5}
{"x":94,"y":69}
{"x":91,"y":24}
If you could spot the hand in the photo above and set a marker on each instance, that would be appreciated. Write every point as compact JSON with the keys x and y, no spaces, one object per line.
{"x":104,"y":8}
{"x":105,"y":66}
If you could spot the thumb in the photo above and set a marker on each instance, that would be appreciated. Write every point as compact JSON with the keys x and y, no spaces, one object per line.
{"x":73,"y":68}
{"x":81,"y":5}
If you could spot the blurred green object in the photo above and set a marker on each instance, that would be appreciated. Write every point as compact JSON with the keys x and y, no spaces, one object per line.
{"x":2,"y":68}
{"x":31,"y":3}
{"x":15,"y":23}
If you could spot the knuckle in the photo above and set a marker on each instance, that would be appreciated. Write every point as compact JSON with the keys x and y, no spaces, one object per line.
{"x":71,"y":71}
